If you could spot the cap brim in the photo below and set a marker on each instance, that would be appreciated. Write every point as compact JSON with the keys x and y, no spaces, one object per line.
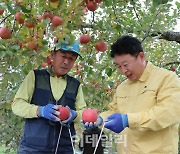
{"x":63,"y":50}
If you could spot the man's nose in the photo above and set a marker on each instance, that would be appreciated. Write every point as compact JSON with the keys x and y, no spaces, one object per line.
{"x":66,"y":61}
{"x":123,"y":70}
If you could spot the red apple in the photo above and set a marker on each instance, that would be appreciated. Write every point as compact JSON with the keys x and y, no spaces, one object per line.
{"x":32,"y":46}
{"x":101,"y":46}
{"x":1,"y":12}
{"x":92,"y":6}
{"x":89,"y":115}
{"x":84,"y":39}
{"x":64,"y":112}
{"x":29,"y":24}
{"x":57,"y":21}
{"x":47,"y":15}
{"x":19,"y":18}
{"x":5,"y":33}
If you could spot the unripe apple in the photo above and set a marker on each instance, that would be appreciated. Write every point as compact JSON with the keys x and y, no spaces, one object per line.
{"x":101,"y":46}
{"x":84,"y":39}
{"x":1,"y":12}
{"x":92,"y":6}
{"x":64,"y":113}
{"x":57,"y":21}
{"x":18,"y":17}
{"x":89,"y":115}
{"x":5,"y":33}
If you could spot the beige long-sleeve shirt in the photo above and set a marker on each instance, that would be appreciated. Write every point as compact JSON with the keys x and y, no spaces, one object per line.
{"x":21,"y":105}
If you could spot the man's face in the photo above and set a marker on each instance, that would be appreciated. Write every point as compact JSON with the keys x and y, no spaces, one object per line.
{"x":132,"y":67}
{"x":62,"y":62}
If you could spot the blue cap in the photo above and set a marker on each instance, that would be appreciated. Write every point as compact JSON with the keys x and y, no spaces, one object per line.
{"x":70,"y":47}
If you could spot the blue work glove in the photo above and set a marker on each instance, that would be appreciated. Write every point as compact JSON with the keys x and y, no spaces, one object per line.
{"x":49,"y":112}
{"x":92,"y":125}
{"x":117,"y":122}
{"x":72,"y":116}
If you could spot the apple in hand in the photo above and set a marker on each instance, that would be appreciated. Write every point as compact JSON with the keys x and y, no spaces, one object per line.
{"x":89,"y":115}
{"x":64,"y":113}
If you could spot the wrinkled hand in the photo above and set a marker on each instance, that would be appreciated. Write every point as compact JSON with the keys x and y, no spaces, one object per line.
{"x":92,"y":125}
{"x":72,"y":116}
{"x":117,"y":122}
{"x":49,"y":111}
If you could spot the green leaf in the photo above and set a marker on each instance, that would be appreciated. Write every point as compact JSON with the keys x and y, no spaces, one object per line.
{"x":25,"y":10}
{"x":11,"y":10}
{"x":109,"y":71}
{"x":44,"y":42}
{"x":15,"y":47}
{"x":16,"y":61}
{"x":158,"y":2}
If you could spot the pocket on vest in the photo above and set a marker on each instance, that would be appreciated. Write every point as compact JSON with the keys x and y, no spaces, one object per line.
{"x":37,"y":133}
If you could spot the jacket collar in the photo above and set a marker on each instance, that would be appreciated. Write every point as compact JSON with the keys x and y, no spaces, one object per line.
{"x":50,"y":71}
{"x":146,"y":73}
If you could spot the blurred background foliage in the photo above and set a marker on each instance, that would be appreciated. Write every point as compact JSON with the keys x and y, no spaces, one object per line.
{"x":145,"y":19}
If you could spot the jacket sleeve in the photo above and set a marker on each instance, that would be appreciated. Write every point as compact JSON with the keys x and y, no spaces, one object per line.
{"x":80,"y":104}
{"x":21,"y":105}
{"x":112,"y":108}
{"x":165,"y":113}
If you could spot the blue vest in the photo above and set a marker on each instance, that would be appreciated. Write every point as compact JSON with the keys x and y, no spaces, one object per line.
{"x":40,"y":134}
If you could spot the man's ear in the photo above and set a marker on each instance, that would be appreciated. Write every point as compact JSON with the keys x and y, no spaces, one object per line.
{"x":142,"y":55}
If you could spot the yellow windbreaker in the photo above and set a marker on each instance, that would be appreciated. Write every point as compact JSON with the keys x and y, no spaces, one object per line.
{"x":153,"y":107}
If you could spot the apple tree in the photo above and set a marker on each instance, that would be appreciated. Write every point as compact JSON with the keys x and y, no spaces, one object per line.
{"x":30,"y":29}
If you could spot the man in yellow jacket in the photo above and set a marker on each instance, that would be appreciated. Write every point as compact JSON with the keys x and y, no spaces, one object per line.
{"x":146,"y":107}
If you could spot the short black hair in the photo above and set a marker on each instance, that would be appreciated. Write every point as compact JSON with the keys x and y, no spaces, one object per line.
{"x":126,"y":45}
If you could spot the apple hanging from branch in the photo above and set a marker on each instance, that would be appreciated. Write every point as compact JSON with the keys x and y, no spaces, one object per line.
{"x":85,"y":38}
{"x":1,"y":12}
{"x":5,"y":33}
{"x":19,"y":17}
{"x":92,"y":6}
{"x":101,"y":46}
{"x":56,"y":21}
